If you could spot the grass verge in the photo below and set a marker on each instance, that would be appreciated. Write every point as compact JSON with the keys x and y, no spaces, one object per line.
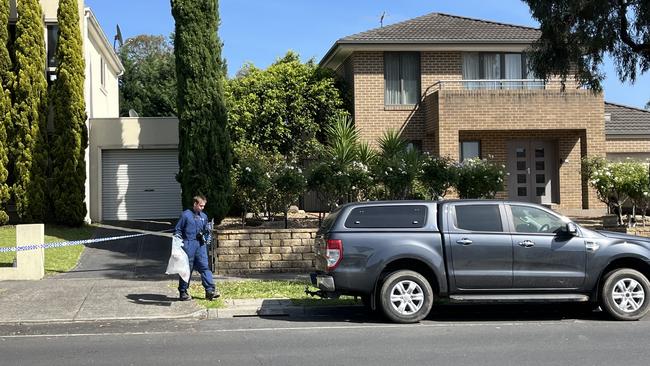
{"x":57,"y":260}
{"x":263,"y":289}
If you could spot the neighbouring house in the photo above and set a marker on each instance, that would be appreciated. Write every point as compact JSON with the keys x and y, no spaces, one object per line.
{"x":131,"y":162}
{"x":627,"y":132}
{"x":462,"y":88}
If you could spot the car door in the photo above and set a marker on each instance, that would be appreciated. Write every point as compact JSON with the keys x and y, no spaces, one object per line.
{"x":544,"y":256}
{"x":481,"y":249}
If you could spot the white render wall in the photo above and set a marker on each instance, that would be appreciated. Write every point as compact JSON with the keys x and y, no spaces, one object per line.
{"x":124,"y":133}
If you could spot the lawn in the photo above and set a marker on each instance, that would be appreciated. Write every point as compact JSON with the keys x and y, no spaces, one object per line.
{"x":263,"y":289}
{"x":57,"y":260}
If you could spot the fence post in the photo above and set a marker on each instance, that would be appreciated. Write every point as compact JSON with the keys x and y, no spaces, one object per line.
{"x":30,"y":264}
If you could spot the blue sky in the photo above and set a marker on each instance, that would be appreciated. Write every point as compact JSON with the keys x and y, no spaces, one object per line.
{"x":260,"y":31}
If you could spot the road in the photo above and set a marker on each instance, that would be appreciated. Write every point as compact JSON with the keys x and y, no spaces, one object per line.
{"x":345,"y":336}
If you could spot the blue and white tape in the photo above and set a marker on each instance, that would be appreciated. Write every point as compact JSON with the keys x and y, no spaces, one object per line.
{"x":73,"y":242}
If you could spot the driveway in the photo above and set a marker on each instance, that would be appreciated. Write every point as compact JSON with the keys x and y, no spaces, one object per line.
{"x":143,"y":257}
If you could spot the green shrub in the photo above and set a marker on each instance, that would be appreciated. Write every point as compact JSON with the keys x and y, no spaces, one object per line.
{"x":436,"y":176}
{"x":479,"y":178}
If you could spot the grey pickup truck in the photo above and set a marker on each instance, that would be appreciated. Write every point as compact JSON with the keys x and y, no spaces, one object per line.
{"x":401,"y":257}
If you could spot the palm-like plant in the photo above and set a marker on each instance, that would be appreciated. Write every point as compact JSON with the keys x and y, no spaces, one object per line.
{"x":343,"y":139}
{"x":392,"y":144}
{"x":398,"y":166}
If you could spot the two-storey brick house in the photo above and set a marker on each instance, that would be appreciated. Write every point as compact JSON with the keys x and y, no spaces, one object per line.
{"x":462,"y":88}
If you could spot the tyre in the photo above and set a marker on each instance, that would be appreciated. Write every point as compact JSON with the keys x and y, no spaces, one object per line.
{"x":624,"y":295}
{"x":406,"y":297}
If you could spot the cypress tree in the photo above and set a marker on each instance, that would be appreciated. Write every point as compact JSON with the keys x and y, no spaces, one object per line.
{"x":29,"y":135}
{"x":5,"y":108}
{"x":70,"y":137}
{"x":204,"y":144}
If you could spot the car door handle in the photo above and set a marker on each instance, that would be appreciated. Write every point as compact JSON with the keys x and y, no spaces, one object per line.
{"x":526,"y":244}
{"x":464,"y":241}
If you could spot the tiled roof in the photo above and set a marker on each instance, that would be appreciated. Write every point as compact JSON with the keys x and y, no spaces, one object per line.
{"x":438,"y":27}
{"x":626,"y":120}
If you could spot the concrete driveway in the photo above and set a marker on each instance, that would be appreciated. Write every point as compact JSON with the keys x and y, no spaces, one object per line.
{"x":143,"y":257}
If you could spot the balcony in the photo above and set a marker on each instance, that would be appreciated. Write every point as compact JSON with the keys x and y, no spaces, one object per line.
{"x":509,"y":104}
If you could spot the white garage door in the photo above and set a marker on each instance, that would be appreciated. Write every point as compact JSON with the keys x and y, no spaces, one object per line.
{"x":140,"y":184}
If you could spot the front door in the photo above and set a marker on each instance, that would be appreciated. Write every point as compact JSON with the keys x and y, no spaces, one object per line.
{"x":531,"y":164}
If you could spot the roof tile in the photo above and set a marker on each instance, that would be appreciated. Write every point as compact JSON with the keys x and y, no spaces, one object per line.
{"x":438,"y":27}
{"x":626,"y":120}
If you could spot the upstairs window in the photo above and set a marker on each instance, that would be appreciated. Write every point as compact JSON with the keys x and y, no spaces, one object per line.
{"x":401,"y":78}
{"x":52,"y":39}
{"x":102,"y":72}
{"x":498,"y":68}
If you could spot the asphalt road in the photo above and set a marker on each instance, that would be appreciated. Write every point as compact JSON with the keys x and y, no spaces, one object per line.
{"x":345,"y":336}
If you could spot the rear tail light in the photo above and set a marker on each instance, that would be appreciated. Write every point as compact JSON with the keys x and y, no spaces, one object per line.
{"x":334,"y":253}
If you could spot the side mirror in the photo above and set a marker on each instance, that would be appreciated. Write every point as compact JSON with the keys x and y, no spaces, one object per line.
{"x":571,"y":228}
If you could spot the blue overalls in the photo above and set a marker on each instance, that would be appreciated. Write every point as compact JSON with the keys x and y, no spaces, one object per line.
{"x":188,"y":227}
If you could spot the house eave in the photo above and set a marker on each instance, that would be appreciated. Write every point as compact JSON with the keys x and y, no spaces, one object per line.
{"x":342,"y":49}
{"x":97,"y":33}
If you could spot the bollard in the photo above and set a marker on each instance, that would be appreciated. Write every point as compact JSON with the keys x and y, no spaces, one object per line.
{"x":30,"y":264}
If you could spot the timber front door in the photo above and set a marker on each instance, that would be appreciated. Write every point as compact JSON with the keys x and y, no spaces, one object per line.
{"x":531,"y":164}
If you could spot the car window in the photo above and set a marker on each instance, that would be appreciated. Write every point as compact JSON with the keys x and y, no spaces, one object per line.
{"x":329,"y":220}
{"x":478,"y":217}
{"x":534,"y":220}
{"x":403,"y":216}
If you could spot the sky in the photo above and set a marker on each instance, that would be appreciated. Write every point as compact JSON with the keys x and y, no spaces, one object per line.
{"x":261,"y":31}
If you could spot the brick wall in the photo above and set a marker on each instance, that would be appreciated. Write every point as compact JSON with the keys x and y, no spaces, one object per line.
{"x":628,"y":145}
{"x":254,"y":251}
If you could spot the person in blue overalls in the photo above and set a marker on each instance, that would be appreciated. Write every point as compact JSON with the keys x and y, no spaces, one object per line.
{"x":189,"y":228}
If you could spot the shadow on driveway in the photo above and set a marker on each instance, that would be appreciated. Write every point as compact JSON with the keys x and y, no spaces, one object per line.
{"x":143,"y":257}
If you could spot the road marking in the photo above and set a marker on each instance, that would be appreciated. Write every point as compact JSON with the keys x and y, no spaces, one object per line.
{"x":276,"y":329}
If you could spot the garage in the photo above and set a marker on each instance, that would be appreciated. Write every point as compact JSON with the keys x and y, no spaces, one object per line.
{"x":140,"y":184}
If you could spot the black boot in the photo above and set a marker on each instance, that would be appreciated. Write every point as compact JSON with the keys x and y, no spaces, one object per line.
{"x":184,"y":296}
{"x":211,"y":295}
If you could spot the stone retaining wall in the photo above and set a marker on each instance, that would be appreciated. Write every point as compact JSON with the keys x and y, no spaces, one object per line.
{"x":252,"y":251}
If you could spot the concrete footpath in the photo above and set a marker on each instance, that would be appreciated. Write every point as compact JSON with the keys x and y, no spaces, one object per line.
{"x":122,"y":280}
{"x":69,"y":300}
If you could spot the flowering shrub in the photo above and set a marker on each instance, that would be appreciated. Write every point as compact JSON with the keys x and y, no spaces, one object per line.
{"x":617,"y":182}
{"x":251,"y":181}
{"x":397,"y":167}
{"x":288,"y":182}
{"x":479,"y":178}
{"x":342,"y":172}
{"x":436,"y":176}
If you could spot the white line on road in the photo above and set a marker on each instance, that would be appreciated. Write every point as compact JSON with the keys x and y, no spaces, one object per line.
{"x":277,"y":329}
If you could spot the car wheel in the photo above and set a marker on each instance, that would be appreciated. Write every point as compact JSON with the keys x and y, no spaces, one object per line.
{"x":406,"y":297}
{"x":624,"y":295}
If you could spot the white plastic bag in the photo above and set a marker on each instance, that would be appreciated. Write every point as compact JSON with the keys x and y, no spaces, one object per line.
{"x":178,"y":261}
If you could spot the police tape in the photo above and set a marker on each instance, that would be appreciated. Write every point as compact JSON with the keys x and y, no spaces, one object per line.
{"x":60,"y":244}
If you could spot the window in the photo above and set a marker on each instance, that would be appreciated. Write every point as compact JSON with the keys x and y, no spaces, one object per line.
{"x":534,"y":220}
{"x":102,"y":72}
{"x":403,"y":216}
{"x":478,"y":218}
{"x":414,"y":145}
{"x":470,"y":150}
{"x":498,"y":68}
{"x":52,"y":40}
{"x":401,"y":78}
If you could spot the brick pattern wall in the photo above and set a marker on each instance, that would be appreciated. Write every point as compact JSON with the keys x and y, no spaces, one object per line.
{"x":264,"y":250}
{"x":628,"y":145}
